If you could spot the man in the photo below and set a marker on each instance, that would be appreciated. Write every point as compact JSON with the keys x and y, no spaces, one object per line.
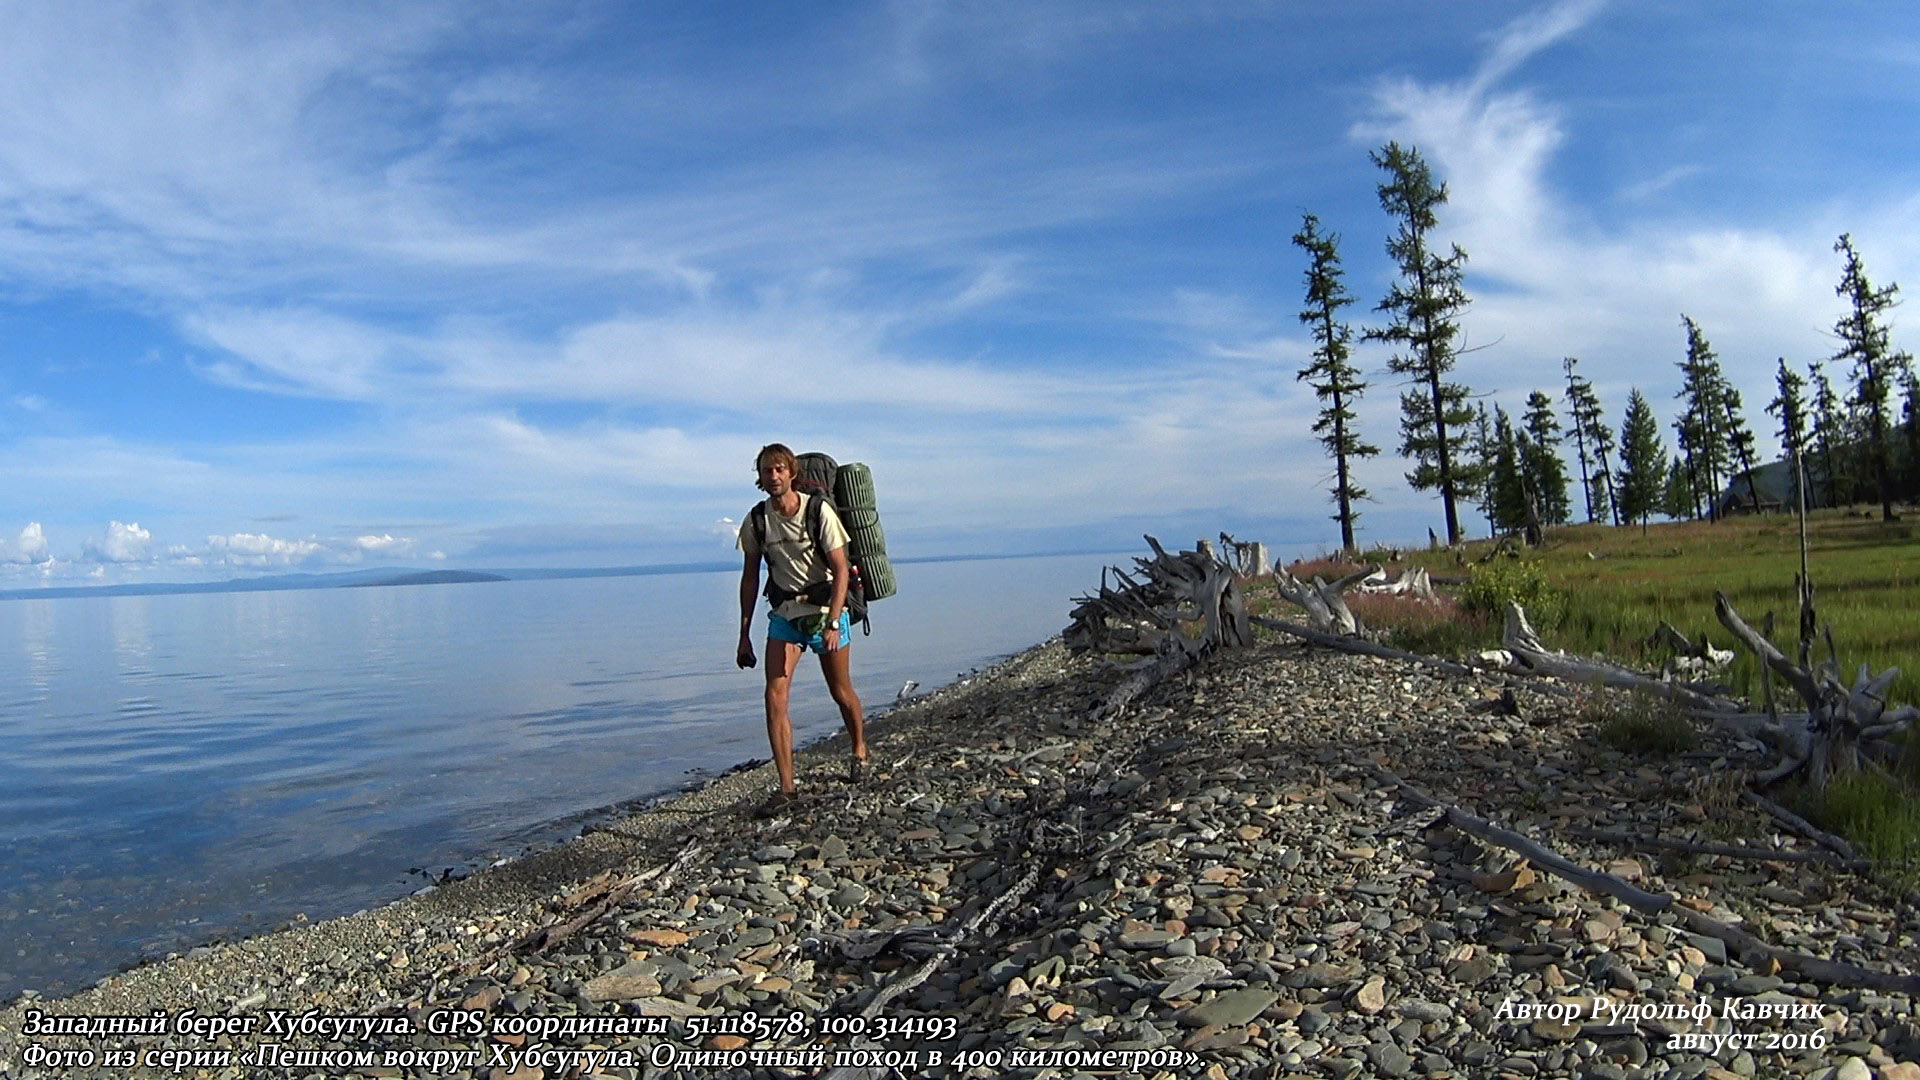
{"x":808,"y":588}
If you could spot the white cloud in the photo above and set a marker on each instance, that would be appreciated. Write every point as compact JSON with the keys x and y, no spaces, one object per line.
{"x":1547,"y":281}
{"x":259,"y":549}
{"x":123,"y":544}
{"x":29,"y":548}
{"x":386,"y":545}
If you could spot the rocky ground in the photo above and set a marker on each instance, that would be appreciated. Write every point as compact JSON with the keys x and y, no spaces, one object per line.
{"x":1218,"y":883}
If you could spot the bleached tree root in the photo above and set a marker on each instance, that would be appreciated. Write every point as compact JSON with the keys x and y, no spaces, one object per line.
{"x":1839,"y":721}
{"x":1323,"y":602}
{"x":1750,"y":949}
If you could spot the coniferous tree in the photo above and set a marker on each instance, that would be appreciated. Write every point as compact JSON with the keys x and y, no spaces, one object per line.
{"x":1876,"y":367}
{"x":1507,"y":481}
{"x":1677,"y":495}
{"x":1790,"y":407}
{"x":1332,"y":374}
{"x":1740,"y":443}
{"x":1685,"y":466}
{"x":1485,"y":453}
{"x":1643,"y":461}
{"x":1590,"y":430}
{"x":1546,"y":473}
{"x":1424,"y":305}
{"x":1911,"y":425}
{"x":1702,"y":424}
{"x":1828,"y":431}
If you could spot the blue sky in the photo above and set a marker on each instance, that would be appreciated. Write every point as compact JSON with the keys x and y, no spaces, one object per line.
{"x":323,"y":286}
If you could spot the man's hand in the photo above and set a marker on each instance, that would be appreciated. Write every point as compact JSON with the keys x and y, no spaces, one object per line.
{"x":744,"y":657}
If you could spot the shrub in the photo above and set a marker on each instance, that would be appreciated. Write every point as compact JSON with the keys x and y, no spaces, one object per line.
{"x":1491,"y":585}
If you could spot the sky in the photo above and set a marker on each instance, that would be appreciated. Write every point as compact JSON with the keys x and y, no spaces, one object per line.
{"x":304,"y":287}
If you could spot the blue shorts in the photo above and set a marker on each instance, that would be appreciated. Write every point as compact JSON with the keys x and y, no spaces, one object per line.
{"x":779,"y":629}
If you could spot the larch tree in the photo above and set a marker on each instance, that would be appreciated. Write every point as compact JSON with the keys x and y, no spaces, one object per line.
{"x":1789,"y":406}
{"x":1590,"y":430}
{"x":1863,"y":333}
{"x":1332,"y":374}
{"x":1486,"y":452}
{"x":1829,"y":431}
{"x":1643,"y":461}
{"x":1506,"y":482}
{"x":1740,"y":443}
{"x":1546,"y":472}
{"x":1423,"y":307}
{"x":1702,"y":424}
{"x":1911,"y":426}
{"x":1679,"y":495}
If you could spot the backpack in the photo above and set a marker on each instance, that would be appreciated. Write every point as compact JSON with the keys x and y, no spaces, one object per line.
{"x":850,"y":489}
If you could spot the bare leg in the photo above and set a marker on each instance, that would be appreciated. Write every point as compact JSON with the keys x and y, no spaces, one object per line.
{"x":838,"y":668}
{"x":782,"y":658}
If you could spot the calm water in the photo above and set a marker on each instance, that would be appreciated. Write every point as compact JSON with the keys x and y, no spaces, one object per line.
{"x":179,"y":768}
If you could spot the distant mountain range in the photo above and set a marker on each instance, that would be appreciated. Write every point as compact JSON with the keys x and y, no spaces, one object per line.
{"x":413,"y":576}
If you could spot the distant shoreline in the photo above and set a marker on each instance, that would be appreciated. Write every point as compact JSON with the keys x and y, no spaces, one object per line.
{"x":413,"y":576}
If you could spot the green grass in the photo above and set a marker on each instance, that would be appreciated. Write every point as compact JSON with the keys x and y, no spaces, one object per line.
{"x":1876,"y":813}
{"x":1601,"y":591}
{"x":1642,"y":724}
{"x":1864,"y":572}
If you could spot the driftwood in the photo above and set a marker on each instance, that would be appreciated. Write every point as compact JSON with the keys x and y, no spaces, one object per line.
{"x":1634,"y":840}
{"x":1148,"y":612}
{"x":1524,"y":653}
{"x":1690,"y":657}
{"x":1840,"y":721}
{"x":1247,"y":559}
{"x":1747,"y":947}
{"x":1413,"y":581}
{"x":1801,"y":825}
{"x":1323,"y":602}
{"x":1144,"y":613}
{"x":1361,"y":646}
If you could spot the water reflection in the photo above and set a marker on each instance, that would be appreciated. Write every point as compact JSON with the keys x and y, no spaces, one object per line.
{"x":213,"y":763}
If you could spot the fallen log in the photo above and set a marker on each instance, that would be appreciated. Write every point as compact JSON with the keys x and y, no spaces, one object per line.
{"x":1750,"y":949}
{"x":1525,"y":654}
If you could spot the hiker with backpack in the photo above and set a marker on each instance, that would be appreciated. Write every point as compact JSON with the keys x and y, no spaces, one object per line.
{"x":800,"y":537}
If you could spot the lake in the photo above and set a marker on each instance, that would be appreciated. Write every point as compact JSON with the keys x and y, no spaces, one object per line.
{"x":182,"y":768}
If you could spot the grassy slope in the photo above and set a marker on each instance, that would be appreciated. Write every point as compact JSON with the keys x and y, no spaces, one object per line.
{"x":1615,"y":585}
{"x":1609,"y":589}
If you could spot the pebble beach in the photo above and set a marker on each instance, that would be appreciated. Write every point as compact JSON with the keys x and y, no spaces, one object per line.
{"x":1216,"y":883}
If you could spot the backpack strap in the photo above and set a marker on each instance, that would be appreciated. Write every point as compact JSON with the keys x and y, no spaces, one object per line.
{"x":816,"y":527}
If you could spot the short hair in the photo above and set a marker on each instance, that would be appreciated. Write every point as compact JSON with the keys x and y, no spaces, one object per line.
{"x":779,"y":453}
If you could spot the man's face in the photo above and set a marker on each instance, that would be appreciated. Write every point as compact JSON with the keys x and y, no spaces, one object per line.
{"x":775,"y":477}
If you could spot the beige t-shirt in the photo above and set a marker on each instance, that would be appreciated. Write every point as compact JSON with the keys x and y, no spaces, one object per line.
{"x":792,"y":561}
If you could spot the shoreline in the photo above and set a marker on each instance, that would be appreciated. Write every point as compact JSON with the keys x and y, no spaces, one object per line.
{"x":1213,"y":877}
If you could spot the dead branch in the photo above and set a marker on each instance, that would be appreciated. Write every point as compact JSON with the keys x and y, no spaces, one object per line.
{"x":1800,"y":825}
{"x":1360,"y":646}
{"x":1526,"y":654}
{"x":1636,"y":841}
{"x":1749,"y":948}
